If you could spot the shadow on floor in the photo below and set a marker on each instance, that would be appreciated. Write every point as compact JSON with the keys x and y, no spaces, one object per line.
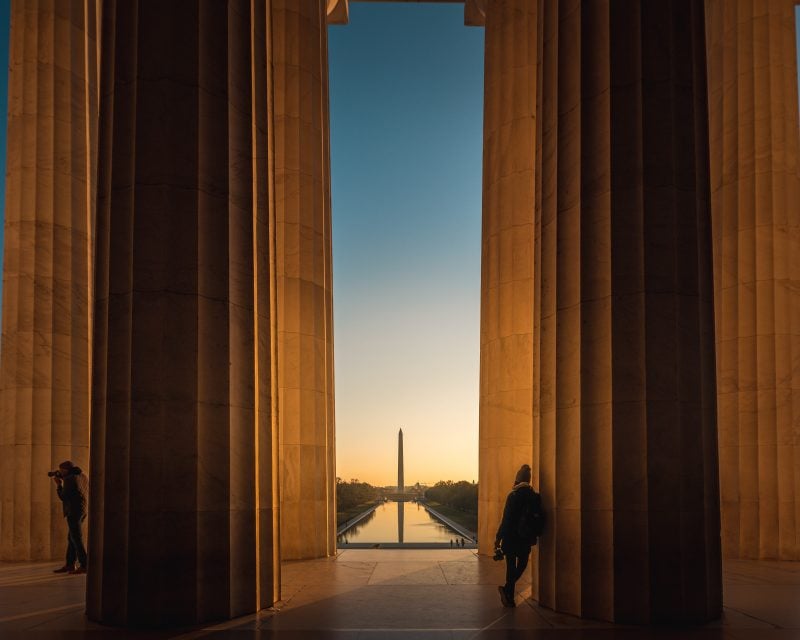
{"x":401,"y":594}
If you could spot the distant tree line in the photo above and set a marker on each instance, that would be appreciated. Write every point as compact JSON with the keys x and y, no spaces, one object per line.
{"x":460,"y":495}
{"x":353,"y":494}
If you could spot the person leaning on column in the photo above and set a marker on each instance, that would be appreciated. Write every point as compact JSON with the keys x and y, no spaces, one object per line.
{"x":73,"y":491}
{"x":523,"y":521}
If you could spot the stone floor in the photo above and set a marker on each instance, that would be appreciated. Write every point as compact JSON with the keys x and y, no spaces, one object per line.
{"x":400,"y":594}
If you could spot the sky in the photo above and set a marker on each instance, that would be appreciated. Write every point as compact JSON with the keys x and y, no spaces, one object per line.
{"x":406,"y":115}
{"x":406,"y":95}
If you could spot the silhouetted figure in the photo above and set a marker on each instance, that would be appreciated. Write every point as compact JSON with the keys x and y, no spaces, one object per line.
{"x":522,"y":523}
{"x":451,"y":543}
{"x":73,"y":491}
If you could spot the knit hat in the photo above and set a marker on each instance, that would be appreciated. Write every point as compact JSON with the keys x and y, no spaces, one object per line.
{"x":523,"y":475}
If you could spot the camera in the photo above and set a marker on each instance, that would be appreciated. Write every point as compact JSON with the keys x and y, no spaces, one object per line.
{"x":498,"y":554}
{"x":60,"y":473}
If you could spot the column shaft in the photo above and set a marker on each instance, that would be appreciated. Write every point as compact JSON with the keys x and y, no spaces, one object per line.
{"x":755,"y":178}
{"x":305,"y":356}
{"x":626,"y":429}
{"x":183,"y":432}
{"x":507,"y":373}
{"x":44,"y":375}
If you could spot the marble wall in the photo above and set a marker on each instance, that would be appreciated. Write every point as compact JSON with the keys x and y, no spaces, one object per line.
{"x":44,"y":373}
{"x":755,"y":178}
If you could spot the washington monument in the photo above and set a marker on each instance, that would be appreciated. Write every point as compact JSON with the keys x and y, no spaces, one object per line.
{"x":400,"y":483}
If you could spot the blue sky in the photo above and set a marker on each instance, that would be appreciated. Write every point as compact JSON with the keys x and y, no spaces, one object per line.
{"x":406,"y":84}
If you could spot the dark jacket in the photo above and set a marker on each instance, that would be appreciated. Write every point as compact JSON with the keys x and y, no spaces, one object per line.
{"x":74,"y":494}
{"x":507,"y":532}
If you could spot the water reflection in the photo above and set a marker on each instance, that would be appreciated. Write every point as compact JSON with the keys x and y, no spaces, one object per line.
{"x":398,"y":522}
{"x":353,"y":531}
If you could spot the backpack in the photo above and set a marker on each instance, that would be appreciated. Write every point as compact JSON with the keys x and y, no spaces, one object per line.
{"x":531,"y":521}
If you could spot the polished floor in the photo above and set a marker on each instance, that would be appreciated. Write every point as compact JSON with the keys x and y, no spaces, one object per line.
{"x":399,"y":594}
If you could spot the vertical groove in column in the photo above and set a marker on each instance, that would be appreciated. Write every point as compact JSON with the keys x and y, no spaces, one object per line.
{"x":626,"y":343}
{"x":328,"y":268}
{"x":267,"y":478}
{"x":536,"y":444}
{"x":44,"y":239}
{"x":723,"y":133}
{"x":705,"y":579}
{"x":782,"y":346}
{"x":545,"y":271}
{"x":628,"y":316}
{"x":566,"y":283}
{"x":662,"y":354}
{"x":791,"y":197}
{"x":507,"y":321}
{"x":755,"y":186}
{"x":182,"y":419}
{"x":764,"y":369}
{"x":114,"y":237}
{"x":596,"y":499}
{"x":748,"y":298}
{"x":303,"y":222}
{"x":44,"y":374}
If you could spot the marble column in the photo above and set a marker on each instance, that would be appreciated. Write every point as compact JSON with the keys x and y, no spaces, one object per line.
{"x":625,"y":431}
{"x":305,"y":333}
{"x":612,"y":368}
{"x":755,"y":191}
{"x":507,"y":372}
{"x":44,"y":372}
{"x":184,"y":485}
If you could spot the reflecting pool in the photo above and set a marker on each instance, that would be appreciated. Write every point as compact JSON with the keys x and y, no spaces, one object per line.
{"x":399,"y":522}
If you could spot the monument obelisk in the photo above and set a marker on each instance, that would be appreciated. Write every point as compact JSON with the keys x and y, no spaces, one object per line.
{"x":400,"y":482}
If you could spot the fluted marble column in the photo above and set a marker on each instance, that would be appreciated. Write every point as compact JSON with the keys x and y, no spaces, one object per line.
{"x":44,"y":374}
{"x":755,"y":178}
{"x":614,"y":370}
{"x":303,"y":209}
{"x":184,"y":493}
{"x":507,"y":373}
{"x":626,"y":429}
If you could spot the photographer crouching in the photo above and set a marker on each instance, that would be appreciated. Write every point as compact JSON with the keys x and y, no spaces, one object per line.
{"x":73,"y":491}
